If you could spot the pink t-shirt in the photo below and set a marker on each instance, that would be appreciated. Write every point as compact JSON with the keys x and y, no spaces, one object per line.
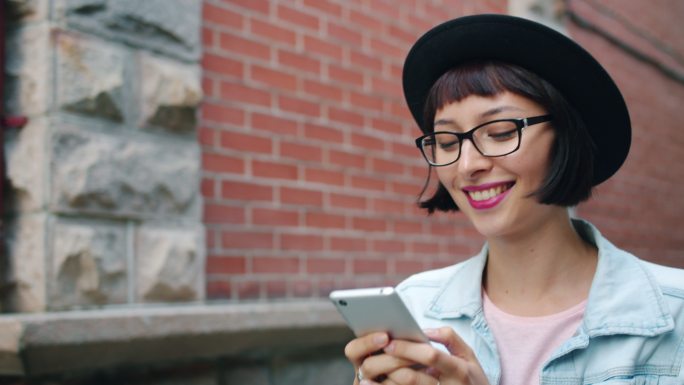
{"x":526,"y":343}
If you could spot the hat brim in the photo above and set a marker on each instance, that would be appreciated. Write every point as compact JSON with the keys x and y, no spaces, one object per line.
{"x":551,"y":55}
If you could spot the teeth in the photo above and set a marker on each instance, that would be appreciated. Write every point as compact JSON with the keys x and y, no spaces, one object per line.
{"x":487,"y":194}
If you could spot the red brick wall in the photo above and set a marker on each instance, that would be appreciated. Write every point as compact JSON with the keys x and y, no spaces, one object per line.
{"x":310,"y":175}
{"x":641,"y":208}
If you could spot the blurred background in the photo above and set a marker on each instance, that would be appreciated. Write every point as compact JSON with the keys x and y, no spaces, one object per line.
{"x":185,"y":181}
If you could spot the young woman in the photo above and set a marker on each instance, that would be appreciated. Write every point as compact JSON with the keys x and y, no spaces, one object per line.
{"x":519,"y":124}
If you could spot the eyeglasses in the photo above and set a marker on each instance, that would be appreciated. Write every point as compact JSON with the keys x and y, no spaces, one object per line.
{"x":496,"y":138}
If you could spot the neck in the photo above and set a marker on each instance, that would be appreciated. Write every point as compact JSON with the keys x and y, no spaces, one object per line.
{"x":541,"y":272}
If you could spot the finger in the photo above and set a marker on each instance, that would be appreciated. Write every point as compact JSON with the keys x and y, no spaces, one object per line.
{"x":361,"y":347}
{"x":377,"y":366}
{"x":428,"y":356}
{"x":412,"y":376}
{"x":452,"y":341}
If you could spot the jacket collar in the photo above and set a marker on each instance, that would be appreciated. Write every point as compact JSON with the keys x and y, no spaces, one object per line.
{"x":624,"y":298}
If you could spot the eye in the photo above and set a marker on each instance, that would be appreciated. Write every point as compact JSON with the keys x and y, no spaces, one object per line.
{"x":447,"y":142}
{"x":498,"y":131}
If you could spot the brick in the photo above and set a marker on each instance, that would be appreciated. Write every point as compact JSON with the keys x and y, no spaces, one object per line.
{"x":408,"y":227}
{"x":299,"y":106}
{"x":369,"y":224}
{"x":328,"y":177}
{"x":274,"y":217}
{"x":274,"y":78}
{"x":206,"y":136}
{"x":273,"y":124}
{"x":322,"y":47}
{"x":244,"y":142}
{"x":367,"y":183}
{"x":274,"y":170}
{"x":258,"y":6}
{"x":366,"y":141}
{"x":345,"y":116}
{"x":281,"y":265}
{"x":348,"y":244}
{"x":208,"y":188}
{"x":389,"y":206}
{"x":327,"y":134}
{"x":346,"y":159}
{"x":215,"y":213}
{"x":303,"y":152}
{"x":302,"y":242}
{"x":226,"y":265}
{"x":407,"y":267}
{"x":276,"y":289}
{"x":209,"y":38}
{"x":224,"y":17}
{"x":386,"y":125}
{"x":325,"y":220}
{"x":246,"y":191}
{"x":385,"y":166}
{"x":298,"y":18}
{"x":209,"y":87}
{"x":250,"y":289}
{"x":298,"y":196}
{"x":385,"y":48}
{"x":302,"y":288}
{"x":428,"y":248}
{"x":240,"y":239}
{"x":325,"y":265}
{"x":366,"y":22}
{"x":409,"y":189}
{"x":323,"y":91}
{"x":365,"y":61}
{"x":362,"y":100}
{"x":222,"y":114}
{"x":272,"y":33}
{"x":395,"y":246}
{"x":385,"y":86}
{"x":240,"y":45}
{"x":245,"y":94}
{"x":348,"y":201}
{"x":299,"y":61}
{"x":222,"y":163}
{"x":369,"y":266}
{"x":345,"y":76}
{"x":213,"y":63}
{"x":219,"y":290}
{"x":345,"y":34}
{"x":326,"y":6}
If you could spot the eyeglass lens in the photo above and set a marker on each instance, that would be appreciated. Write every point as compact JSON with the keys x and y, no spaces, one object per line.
{"x":493,"y":139}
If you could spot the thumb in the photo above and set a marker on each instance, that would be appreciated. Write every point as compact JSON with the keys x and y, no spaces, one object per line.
{"x":452,"y":341}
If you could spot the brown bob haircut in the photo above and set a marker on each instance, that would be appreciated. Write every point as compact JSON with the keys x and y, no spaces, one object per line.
{"x":569,"y":178}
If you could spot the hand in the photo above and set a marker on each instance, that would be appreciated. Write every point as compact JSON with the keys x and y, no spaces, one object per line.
{"x":366,"y":354}
{"x":460,"y":367}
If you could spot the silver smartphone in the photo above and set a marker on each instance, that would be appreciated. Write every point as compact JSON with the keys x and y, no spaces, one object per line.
{"x":377,"y":309}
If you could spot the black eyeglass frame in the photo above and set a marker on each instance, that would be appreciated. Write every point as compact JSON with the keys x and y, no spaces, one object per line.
{"x":520,"y":123}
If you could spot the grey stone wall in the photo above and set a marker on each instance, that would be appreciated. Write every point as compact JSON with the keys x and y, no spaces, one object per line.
{"x":104,"y":204}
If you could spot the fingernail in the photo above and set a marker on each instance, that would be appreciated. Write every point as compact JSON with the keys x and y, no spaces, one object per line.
{"x":380,"y":340}
{"x":365,"y":382}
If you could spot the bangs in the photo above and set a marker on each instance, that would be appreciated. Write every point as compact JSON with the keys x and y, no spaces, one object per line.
{"x":477,"y":78}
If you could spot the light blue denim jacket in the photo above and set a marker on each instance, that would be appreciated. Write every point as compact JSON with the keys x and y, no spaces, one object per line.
{"x":632,"y":331}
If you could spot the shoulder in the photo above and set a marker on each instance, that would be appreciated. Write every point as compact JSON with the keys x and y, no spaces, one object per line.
{"x":431,"y":278}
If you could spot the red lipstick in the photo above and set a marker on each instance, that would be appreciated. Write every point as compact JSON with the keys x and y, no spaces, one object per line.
{"x":488,"y":195}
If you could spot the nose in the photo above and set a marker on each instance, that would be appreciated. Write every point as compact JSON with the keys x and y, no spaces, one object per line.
{"x":471,"y":163}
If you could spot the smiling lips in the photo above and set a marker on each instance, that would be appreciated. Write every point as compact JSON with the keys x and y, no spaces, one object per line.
{"x":488,"y":195}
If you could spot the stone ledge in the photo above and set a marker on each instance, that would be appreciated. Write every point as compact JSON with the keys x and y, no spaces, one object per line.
{"x":52,"y":343}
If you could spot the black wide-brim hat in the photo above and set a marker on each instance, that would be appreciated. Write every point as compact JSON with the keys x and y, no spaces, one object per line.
{"x":549,"y":54}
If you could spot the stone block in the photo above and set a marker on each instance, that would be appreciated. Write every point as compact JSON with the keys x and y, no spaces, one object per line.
{"x":90,"y":76}
{"x":168,"y":26}
{"x":320,"y":366}
{"x":171,"y":93}
{"x":89,"y":264}
{"x":26,"y":158}
{"x":27,"y":70}
{"x":26,"y":270}
{"x":27,"y":10}
{"x":133,"y":177}
{"x":169,"y":264}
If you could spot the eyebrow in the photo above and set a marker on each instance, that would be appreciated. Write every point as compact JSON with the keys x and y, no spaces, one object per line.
{"x":485,"y":114}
